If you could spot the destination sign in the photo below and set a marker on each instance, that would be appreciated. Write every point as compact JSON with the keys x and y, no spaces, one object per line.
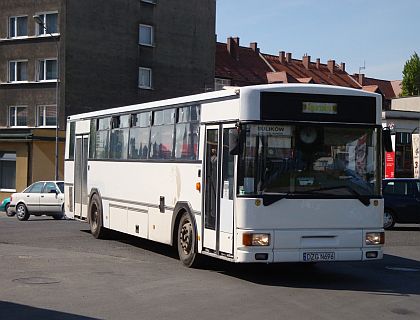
{"x":273,"y":130}
{"x":319,"y":107}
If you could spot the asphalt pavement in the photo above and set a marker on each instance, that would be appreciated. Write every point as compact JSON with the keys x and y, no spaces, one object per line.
{"x":56,"y":270}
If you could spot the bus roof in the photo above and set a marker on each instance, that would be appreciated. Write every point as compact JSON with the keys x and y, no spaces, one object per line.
{"x":229,"y":93}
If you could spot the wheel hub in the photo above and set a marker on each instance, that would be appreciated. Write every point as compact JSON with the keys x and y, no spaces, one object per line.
{"x":20,"y":211}
{"x":186,"y":237}
{"x":94,"y":217}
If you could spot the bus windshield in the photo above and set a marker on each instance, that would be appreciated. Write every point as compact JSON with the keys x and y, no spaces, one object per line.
{"x":328,"y":160}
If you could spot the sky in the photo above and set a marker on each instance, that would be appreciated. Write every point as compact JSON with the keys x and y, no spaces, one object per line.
{"x":378,"y":34}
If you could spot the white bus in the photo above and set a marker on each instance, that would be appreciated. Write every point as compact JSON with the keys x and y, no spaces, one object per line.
{"x":271,"y":173}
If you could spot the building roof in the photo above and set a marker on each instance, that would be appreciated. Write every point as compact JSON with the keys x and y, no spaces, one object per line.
{"x":389,"y":89}
{"x":241,"y":65}
{"x":306,"y":71}
{"x":247,"y":66}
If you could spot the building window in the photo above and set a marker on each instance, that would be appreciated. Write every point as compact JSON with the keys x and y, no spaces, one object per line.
{"x":219,"y":83}
{"x":50,"y":21}
{"x":18,"y":27}
{"x":18,"y":116}
{"x":47,"y":70}
{"x":18,"y":71}
{"x":145,"y":35}
{"x":47,"y":116}
{"x":145,"y":78}
{"x":403,"y":155}
{"x":7,"y":171}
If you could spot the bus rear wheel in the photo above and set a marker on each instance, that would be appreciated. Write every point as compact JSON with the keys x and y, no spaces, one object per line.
{"x":186,"y":239}
{"x":95,"y":218}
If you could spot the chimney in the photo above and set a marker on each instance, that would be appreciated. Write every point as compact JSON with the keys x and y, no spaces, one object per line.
{"x":288,"y":57}
{"x":343,"y":66}
{"x":233,"y":47}
{"x":306,"y":60}
{"x":330,"y":65}
{"x":254,"y":47}
{"x":318,"y":63}
{"x":361,"y":78}
{"x":282,"y":57}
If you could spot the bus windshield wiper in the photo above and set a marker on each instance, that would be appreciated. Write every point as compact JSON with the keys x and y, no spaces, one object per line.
{"x":365,"y":199}
{"x":271,"y":197}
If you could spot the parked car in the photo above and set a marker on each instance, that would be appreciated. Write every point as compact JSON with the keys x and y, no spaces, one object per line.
{"x":402,"y":201}
{"x":40,"y":198}
{"x":4,"y":206}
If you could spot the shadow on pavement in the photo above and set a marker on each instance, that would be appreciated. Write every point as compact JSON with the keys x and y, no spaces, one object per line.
{"x":393,"y":275}
{"x":155,"y":247}
{"x":10,"y":310}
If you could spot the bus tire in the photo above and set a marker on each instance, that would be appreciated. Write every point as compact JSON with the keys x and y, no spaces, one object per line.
{"x":187,"y":241}
{"x":95,"y":217}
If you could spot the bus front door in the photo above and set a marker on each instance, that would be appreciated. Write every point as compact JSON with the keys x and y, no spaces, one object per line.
{"x":218,"y":192}
{"x":80,"y":177}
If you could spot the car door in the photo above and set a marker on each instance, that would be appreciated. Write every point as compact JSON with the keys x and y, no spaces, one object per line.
{"x":414,"y":202}
{"x":31,"y":197}
{"x":50,"y":199}
{"x":399,"y":196}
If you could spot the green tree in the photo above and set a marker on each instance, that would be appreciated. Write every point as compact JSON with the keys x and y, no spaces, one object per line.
{"x":411,"y":76}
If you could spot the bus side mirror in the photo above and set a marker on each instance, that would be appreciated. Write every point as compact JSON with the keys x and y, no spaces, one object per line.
{"x":386,"y":139}
{"x":233,"y":142}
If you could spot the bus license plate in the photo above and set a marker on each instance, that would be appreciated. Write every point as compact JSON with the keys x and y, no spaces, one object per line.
{"x":318,"y":256}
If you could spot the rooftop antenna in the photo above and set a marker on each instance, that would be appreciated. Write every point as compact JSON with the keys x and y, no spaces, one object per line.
{"x":364,"y":66}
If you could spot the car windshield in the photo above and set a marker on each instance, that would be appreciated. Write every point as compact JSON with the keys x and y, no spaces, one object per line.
{"x":60,"y":185}
{"x":306,"y":159}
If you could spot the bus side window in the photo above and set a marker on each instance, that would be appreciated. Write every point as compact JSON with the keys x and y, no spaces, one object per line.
{"x":139,"y":136}
{"x":187,"y":133}
{"x":102,"y":138}
{"x":161,"y":135}
{"x":119,"y":137}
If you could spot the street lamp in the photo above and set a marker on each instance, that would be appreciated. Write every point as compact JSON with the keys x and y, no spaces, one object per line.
{"x":41,"y":24}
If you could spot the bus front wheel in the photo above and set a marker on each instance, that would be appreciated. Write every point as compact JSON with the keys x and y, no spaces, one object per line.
{"x":187,"y":245}
{"x":95,"y":217}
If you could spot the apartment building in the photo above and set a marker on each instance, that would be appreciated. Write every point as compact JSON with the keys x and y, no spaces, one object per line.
{"x":90,"y":55}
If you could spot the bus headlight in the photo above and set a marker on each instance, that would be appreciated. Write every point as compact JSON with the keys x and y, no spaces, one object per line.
{"x":256,"y":239}
{"x":375,"y":238}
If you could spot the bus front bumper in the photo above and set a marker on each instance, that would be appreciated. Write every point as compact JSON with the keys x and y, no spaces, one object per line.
{"x":259,"y":255}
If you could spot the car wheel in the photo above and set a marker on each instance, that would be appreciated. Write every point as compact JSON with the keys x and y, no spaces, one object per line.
{"x":59,"y":216}
{"x":21,"y":212}
{"x":186,"y":240}
{"x":95,"y":218}
{"x":389,"y":219}
{"x":9,"y":214}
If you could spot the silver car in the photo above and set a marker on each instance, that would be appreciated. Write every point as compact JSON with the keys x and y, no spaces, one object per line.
{"x":40,"y":198}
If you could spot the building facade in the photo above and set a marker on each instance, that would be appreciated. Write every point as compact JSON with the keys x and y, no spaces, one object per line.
{"x":90,"y":55}
{"x":403,"y":118}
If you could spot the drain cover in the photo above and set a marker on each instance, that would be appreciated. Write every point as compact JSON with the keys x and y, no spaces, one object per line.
{"x":37,"y":280}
